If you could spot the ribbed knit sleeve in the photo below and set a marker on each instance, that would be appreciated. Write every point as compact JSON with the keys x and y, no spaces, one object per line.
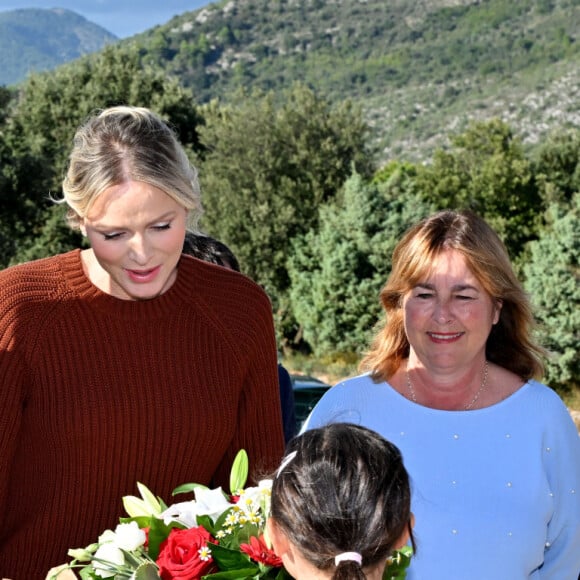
{"x":245,"y":318}
{"x":100,"y":393}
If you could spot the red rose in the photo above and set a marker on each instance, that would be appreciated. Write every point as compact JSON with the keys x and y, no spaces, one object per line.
{"x":180,"y":555}
{"x":258,"y":551}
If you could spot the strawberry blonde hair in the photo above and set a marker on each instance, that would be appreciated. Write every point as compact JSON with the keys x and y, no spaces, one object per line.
{"x":509,"y":344}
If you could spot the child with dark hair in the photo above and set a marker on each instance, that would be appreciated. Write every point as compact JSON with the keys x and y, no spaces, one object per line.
{"x":340,"y":504}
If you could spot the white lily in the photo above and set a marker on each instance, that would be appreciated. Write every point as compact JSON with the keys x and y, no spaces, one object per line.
{"x":184,"y":513}
{"x":148,"y":506}
{"x":212,"y":502}
{"x":208,"y":502}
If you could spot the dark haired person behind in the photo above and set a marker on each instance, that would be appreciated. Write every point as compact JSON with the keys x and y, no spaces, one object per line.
{"x":211,"y":250}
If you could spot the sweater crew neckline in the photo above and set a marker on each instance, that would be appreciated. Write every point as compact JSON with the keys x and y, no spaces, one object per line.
{"x":458,"y":412}
{"x":160,"y":306}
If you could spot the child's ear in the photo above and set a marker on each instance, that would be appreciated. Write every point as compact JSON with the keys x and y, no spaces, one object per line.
{"x":406,"y":534}
{"x":280,"y":543}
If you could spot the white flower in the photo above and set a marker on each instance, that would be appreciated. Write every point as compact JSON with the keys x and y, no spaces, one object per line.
{"x":106,"y":537}
{"x":254,"y":498}
{"x":211,"y":502}
{"x":208,"y":502}
{"x":107,"y":560}
{"x":129,"y":536}
{"x":184,"y":513}
{"x":265,"y":485}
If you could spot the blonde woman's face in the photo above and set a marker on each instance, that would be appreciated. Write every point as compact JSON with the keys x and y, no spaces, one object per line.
{"x":136,"y":232}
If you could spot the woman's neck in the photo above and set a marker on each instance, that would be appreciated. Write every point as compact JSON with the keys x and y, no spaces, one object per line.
{"x":445,"y":389}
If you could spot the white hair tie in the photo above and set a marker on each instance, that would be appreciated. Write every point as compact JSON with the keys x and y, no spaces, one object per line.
{"x":348,"y":557}
{"x":285,"y":462}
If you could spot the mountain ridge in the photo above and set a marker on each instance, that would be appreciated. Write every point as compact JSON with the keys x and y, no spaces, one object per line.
{"x":419,"y":70}
{"x":413,"y":66}
{"x":36,"y":39}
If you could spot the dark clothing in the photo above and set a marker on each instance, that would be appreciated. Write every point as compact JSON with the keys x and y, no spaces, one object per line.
{"x":287,"y":400}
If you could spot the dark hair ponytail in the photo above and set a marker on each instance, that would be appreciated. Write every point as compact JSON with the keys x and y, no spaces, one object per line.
{"x":342,"y":488}
{"x":349,"y":570}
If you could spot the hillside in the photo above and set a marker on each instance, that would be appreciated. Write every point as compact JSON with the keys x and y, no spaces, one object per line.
{"x":37,"y":40}
{"x":418,"y":68}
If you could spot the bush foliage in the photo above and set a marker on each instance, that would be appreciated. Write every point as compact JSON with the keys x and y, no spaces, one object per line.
{"x":289,"y":183}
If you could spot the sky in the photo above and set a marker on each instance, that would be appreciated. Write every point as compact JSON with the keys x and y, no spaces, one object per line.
{"x":123,"y":18}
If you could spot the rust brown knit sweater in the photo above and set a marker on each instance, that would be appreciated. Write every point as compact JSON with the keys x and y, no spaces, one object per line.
{"x":98,"y":393}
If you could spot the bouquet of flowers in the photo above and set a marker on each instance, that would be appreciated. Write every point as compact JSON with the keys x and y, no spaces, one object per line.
{"x":216,"y":536}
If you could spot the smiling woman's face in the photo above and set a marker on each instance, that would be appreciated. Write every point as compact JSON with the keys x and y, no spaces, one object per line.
{"x":136,"y":232}
{"x":448,"y":315}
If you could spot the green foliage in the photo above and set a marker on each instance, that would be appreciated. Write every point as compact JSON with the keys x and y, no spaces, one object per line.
{"x":400,"y":61}
{"x":337,"y":271}
{"x":413,"y":67}
{"x":557,"y":166}
{"x":54,"y":236}
{"x":6,"y":96}
{"x":397,"y":565}
{"x":21,"y":171}
{"x":553,"y":281}
{"x":440,"y":42}
{"x":486,"y":171}
{"x":269,"y":166}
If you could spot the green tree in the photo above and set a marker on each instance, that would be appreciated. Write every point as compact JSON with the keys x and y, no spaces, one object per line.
{"x":38,"y":133}
{"x":269,"y":165}
{"x":553,"y":281}
{"x":337,"y":271}
{"x":486,"y":171}
{"x":54,"y":237}
{"x":557,"y":166}
{"x":6,"y":96}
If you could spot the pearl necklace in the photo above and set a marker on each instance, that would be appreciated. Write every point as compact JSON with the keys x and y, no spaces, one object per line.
{"x":470,"y":404}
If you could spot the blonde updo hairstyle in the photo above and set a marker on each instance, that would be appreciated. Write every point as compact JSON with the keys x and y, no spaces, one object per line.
{"x":125,"y":143}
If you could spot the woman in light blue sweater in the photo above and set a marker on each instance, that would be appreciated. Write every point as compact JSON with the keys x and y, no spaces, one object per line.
{"x":493,"y":455}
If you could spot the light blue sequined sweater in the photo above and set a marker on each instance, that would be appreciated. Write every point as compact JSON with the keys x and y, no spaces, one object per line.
{"x":496,"y":491}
